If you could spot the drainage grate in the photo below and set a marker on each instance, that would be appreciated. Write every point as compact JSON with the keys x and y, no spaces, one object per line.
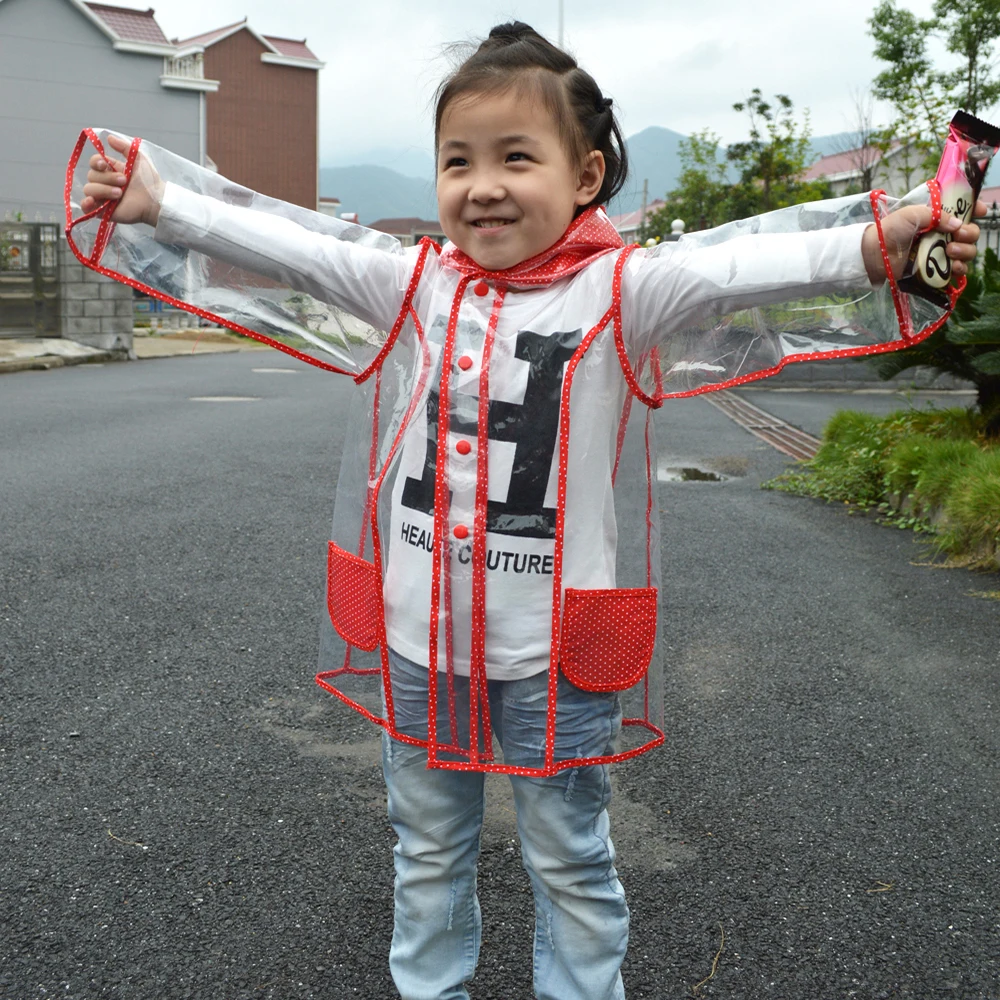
{"x":787,"y":439}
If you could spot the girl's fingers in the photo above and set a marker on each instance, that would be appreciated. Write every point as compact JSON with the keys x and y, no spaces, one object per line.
{"x":104,"y":163}
{"x":119,"y":143}
{"x":961,"y":251}
{"x":101,"y":192}
{"x":969,"y":233}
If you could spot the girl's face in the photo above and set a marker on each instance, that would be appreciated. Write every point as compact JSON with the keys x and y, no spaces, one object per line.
{"x":507,"y":188}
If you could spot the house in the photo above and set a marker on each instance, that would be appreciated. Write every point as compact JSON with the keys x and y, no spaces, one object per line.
{"x":65,"y":64}
{"x":329,"y":206}
{"x":410,"y":231}
{"x":895,"y":171}
{"x":262,"y":122}
{"x":628,"y":225}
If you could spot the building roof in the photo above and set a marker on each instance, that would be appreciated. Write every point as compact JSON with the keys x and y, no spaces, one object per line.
{"x":406,"y":226}
{"x":290,"y":48}
{"x":210,"y":37}
{"x":129,"y":24}
{"x":847,"y":162}
{"x":632,"y":220}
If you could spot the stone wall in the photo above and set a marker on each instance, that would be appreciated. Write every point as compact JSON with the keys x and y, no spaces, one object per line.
{"x":93,"y":310}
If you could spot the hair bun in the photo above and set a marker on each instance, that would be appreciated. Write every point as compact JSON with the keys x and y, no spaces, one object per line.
{"x":513,"y":30}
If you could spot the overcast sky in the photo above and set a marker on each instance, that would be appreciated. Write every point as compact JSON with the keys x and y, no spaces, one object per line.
{"x":676,"y":63}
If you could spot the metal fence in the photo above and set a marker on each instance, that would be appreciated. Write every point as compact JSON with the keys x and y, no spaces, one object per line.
{"x":990,"y":226}
{"x":29,"y":279}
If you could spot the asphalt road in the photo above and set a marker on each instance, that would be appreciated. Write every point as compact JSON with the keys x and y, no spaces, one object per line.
{"x":185,"y":815}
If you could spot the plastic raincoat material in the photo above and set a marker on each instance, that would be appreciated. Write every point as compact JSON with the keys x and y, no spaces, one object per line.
{"x":496,"y":510}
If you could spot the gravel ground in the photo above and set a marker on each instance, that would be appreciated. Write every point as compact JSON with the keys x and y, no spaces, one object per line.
{"x":186,"y":815}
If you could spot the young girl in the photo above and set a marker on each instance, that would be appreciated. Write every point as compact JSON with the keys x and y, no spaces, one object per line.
{"x":479,"y":525}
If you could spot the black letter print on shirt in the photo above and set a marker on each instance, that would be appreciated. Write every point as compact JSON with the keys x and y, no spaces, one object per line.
{"x":532,"y":426}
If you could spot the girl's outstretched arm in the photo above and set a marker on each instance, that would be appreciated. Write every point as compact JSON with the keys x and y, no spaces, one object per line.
{"x":675,"y":286}
{"x":359,"y":272}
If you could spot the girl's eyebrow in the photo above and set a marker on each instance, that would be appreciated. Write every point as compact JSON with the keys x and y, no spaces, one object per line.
{"x":501,"y":140}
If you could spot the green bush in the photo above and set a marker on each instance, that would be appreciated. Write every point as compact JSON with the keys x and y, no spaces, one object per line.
{"x":937,"y":459}
{"x":925,"y":467}
{"x":972,"y":507}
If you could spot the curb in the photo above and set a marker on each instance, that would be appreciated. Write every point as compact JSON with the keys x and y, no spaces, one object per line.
{"x":47,"y":361}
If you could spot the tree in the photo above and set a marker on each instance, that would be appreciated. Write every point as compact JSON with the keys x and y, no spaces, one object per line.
{"x":967,"y":346}
{"x":700,"y":196}
{"x":922,"y":96}
{"x":970,"y":27}
{"x":768,"y":167}
{"x":772,"y":160}
{"x":861,"y":143}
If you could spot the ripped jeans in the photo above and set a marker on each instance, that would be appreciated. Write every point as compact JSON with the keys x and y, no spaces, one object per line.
{"x":581,"y":919}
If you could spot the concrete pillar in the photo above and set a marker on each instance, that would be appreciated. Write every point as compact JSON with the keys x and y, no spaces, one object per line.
{"x":93,"y":310}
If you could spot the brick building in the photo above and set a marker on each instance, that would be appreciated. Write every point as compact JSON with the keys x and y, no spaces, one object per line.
{"x":268,"y":99}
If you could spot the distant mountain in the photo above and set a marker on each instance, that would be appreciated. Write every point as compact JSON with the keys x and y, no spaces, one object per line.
{"x":410,"y":161}
{"x":653,"y":156}
{"x":399,"y":182}
{"x":378,"y":193}
{"x":839,"y":142}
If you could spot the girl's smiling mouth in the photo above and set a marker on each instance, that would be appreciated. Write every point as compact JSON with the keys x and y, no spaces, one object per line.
{"x":491,"y":223}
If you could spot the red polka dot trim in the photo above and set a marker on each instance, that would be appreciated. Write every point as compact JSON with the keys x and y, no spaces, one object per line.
{"x":481,"y":288}
{"x":463,"y":447}
{"x":461,"y":531}
{"x":465,"y":362}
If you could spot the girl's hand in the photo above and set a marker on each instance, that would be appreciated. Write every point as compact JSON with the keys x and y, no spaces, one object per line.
{"x":901,"y":227}
{"x":139,"y":201}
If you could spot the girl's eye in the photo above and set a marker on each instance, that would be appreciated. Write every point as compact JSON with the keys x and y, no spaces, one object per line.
{"x":456,"y":161}
{"x":517,"y":156}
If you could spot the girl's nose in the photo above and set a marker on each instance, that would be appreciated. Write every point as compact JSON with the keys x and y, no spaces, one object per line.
{"x":486,"y":187}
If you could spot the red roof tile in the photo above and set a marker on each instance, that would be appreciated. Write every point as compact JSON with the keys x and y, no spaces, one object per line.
{"x":289,"y":47}
{"x":208,"y":37}
{"x":847,"y":162}
{"x":131,"y":25}
{"x":631,"y":219}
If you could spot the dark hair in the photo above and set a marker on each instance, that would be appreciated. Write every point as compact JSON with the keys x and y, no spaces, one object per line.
{"x":515,"y":55}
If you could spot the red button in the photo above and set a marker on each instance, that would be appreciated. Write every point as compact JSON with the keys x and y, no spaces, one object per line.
{"x":461,"y":531}
{"x":481,"y":289}
{"x":465,"y":362}
{"x":463,"y":447}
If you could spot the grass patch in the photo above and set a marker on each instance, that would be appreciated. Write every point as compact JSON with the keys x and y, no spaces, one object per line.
{"x":930,"y":471}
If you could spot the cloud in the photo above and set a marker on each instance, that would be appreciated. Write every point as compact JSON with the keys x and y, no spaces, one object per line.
{"x":680,"y":65}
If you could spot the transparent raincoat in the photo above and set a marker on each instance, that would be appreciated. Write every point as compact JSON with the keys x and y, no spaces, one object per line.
{"x":496,"y":510}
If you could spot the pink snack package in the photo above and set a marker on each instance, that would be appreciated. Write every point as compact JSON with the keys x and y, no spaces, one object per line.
{"x":970,"y":146}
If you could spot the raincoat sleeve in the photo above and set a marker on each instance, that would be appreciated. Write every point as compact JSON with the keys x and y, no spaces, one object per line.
{"x":365,"y":282}
{"x":325,"y":290}
{"x":725,"y":306}
{"x":678,"y":285}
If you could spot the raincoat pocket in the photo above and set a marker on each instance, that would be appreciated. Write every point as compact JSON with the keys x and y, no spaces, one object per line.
{"x":354,"y":598}
{"x":607,"y":637}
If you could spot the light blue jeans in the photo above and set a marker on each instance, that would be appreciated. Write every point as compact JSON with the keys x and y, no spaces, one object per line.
{"x":581,"y":919}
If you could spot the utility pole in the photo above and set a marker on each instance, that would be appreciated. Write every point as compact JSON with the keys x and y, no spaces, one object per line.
{"x":561,"y":21}
{"x":645,"y":199}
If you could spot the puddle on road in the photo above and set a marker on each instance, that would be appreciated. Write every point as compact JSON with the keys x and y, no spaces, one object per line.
{"x":688,"y":474}
{"x":717,"y":469}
